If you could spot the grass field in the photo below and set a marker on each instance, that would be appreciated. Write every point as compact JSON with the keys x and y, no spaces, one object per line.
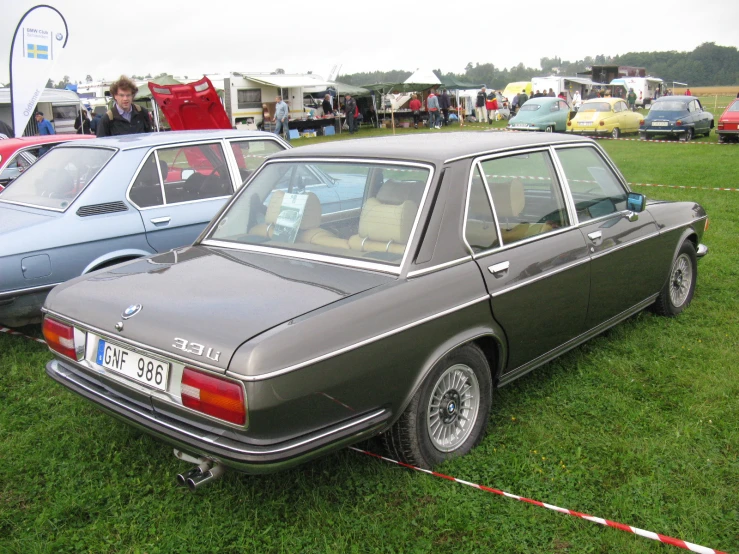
{"x":640,"y":425}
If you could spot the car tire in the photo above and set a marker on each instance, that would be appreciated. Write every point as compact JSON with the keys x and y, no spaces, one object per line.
{"x":688,"y":136}
{"x":549,"y":129}
{"x":721,"y":139}
{"x":678,"y":291}
{"x":616,"y":133}
{"x":430,"y":430}
{"x":643,"y":136}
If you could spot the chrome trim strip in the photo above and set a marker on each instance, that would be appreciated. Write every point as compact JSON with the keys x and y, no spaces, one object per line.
{"x":603,"y":156}
{"x":412,"y":239}
{"x":354,"y":346}
{"x":508,"y":149}
{"x":624,"y":245}
{"x":19,"y":292}
{"x":668,"y":229}
{"x":198,"y":364}
{"x":539,"y":277}
{"x":489,"y":194}
{"x":347,"y":262}
{"x":212,"y":438}
{"x":466,"y":211}
{"x":432,"y":269}
{"x":521,"y":242}
{"x":195,"y":141}
{"x":564,"y":186}
{"x":58,"y":210}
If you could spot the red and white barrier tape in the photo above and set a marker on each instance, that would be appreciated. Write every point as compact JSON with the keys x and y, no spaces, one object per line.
{"x":628,"y":528}
{"x":682,"y":187}
{"x":16,"y":333}
{"x":536,"y":178}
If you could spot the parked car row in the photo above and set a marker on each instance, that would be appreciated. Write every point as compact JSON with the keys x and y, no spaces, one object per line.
{"x":353,"y":288}
{"x":678,"y":116}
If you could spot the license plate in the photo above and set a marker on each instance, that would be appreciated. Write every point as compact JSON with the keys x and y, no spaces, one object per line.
{"x":149,"y":371}
{"x":521,"y":125}
{"x":585,"y":123}
{"x":660,"y":124}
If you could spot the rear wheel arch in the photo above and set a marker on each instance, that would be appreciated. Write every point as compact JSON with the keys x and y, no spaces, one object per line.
{"x":113,"y":258}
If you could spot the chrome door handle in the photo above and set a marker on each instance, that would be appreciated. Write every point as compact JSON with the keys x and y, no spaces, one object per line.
{"x":594,"y":236}
{"x":499,"y":269}
{"x":632,"y":216}
{"x":159,"y":220}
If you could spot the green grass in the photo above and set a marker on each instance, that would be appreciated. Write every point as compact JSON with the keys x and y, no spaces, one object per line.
{"x":640,"y":425}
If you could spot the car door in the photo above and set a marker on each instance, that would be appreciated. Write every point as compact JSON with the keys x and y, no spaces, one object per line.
{"x":704,"y":116}
{"x":620,"y":242}
{"x":178,"y":190}
{"x":533,"y":259}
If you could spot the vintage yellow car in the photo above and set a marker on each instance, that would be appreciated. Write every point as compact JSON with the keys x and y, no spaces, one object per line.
{"x":602,"y":116}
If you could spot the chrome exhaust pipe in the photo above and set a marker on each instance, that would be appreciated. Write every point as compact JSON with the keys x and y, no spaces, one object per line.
{"x":182,"y":478}
{"x":204,"y":477}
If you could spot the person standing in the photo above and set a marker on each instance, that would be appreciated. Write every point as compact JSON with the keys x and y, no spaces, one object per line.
{"x":350,"y":107}
{"x":432,"y":105}
{"x":631,"y":99}
{"x":522,"y":98}
{"x":326,"y":105}
{"x":514,"y":104}
{"x":44,"y":126}
{"x":281,"y":118}
{"x":688,"y":93}
{"x":551,"y":94}
{"x":444,"y":104}
{"x":415,"y":106}
{"x":125,"y":117}
{"x":576,"y":100}
{"x":82,"y":123}
{"x":95,"y":122}
{"x":480,"y":112}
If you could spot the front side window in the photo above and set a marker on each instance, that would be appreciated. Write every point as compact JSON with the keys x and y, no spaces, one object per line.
{"x":58,"y":177}
{"x":250,"y":154}
{"x":595,"y":188}
{"x":348,"y":210}
{"x":480,"y":230}
{"x":15,"y":167}
{"x":526,"y":195}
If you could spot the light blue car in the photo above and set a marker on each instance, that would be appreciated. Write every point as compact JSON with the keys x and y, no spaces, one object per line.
{"x":541,"y":114}
{"x":91,"y":204}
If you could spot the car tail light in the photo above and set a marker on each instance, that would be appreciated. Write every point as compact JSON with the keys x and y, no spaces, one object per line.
{"x":602,"y":123}
{"x":60,"y":337}
{"x":569,"y":123}
{"x":678,"y":123}
{"x":720,"y":126}
{"x":213,"y":396}
{"x":641,"y":122}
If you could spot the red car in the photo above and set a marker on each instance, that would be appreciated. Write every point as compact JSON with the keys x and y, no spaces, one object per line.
{"x":728,"y":123}
{"x":18,"y":154}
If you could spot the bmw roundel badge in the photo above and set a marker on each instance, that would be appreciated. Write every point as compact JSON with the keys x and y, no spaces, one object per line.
{"x":131,"y":311}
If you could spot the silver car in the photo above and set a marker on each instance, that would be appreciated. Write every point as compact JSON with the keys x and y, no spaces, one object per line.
{"x":84,"y":207}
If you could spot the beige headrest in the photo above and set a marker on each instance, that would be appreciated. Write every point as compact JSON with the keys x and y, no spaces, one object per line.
{"x":397,"y":192}
{"x":311,"y":215}
{"x":508,"y":198}
{"x":387,"y":222}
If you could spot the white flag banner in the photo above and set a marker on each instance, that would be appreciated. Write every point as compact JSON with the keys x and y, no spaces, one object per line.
{"x":39,"y":39}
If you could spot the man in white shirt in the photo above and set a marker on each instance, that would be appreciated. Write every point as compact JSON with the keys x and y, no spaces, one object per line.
{"x":281,"y":118}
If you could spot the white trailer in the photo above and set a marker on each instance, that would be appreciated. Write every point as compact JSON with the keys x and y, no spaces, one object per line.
{"x":558,"y":84}
{"x":646,"y":88}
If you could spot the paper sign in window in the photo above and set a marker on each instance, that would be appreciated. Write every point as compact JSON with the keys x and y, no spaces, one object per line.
{"x":287,"y":224}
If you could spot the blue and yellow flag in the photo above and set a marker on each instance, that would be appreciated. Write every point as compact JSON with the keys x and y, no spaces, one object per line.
{"x":37,"y":51}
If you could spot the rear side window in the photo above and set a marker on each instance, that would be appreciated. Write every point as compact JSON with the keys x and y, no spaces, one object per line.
{"x":595,"y":188}
{"x":189,"y":173}
{"x":480,"y":230}
{"x":526,"y":196}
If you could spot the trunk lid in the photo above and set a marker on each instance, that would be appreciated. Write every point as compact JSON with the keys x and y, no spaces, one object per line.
{"x":213,"y":297}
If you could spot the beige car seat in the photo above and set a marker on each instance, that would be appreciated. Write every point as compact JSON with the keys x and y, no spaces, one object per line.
{"x":509,"y":200}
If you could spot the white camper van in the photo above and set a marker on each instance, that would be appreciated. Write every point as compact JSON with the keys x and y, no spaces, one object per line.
{"x":559,"y":84}
{"x":646,"y":88}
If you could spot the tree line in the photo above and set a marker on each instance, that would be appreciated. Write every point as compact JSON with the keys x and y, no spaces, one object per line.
{"x":707,"y":65}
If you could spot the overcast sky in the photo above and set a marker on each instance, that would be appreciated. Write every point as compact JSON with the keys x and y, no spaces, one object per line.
{"x":189,"y":38}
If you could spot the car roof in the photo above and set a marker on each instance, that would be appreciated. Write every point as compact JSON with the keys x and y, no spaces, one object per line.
{"x":428,"y":147}
{"x":684,"y":99}
{"x":147,"y":140}
{"x":13,"y":144}
{"x":609,"y":99}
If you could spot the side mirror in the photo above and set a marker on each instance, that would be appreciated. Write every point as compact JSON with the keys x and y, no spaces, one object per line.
{"x":636,"y":202}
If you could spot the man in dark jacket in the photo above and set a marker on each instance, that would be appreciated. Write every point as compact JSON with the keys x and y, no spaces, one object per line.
{"x":481,"y":113}
{"x":125,"y":117}
{"x":350,"y":107}
{"x":522,"y":98}
{"x":444,"y":104}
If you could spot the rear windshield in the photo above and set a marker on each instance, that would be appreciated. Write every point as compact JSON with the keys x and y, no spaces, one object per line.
{"x":669,"y":106}
{"x":734,"y":107}
{"x":346,"y":210}
{"x":530,"y":107}
{"x":595,"y":107}
{"x":57,"y":178}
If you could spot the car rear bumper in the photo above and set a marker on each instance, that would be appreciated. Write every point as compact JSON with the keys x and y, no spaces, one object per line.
{"x":728,"y":132}
{"x":600,"y":131}
{"x":664,"y":130}
{"x":213,"y":443}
